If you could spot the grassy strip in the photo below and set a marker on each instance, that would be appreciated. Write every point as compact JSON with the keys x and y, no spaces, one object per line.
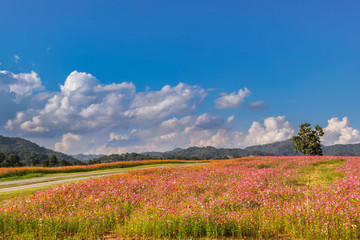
{"x":319,"y":174}
{"x":7,"y":195}
{"x":18,"y":172}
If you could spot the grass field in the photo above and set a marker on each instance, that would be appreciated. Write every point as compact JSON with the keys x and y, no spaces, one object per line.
{"x":252,"y":198}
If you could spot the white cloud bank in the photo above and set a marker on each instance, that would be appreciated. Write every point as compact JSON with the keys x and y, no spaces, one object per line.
{"x":340,"y":132}
{"x":22,"y":84}
{"x":88,"y":116}
{"x":201,"y":131}
{"x":85,"y":105}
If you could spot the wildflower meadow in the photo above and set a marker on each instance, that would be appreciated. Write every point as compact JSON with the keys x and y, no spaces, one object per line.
{"x":256,"y":197}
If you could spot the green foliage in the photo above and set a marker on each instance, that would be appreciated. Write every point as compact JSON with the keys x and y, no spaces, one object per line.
{"x":308,"y":140}
{"x":321,"y":173}
{"x":35,"y":162}
{"x":11,"y":160}
{"x":27,"y":151}
{"x":122,"y":157}
{"x":53,"y":162}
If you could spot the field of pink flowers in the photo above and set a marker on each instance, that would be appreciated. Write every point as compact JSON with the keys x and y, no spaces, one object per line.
{"x":259,"y":197}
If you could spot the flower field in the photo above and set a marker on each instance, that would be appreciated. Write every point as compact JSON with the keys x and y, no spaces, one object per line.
{"x":257,"y":197}
{"x":20,"y":171}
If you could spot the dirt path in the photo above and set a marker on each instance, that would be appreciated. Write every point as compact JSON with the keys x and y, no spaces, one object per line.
{"x":45,"y":181}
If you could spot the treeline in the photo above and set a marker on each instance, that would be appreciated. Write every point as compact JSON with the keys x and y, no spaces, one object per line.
{"x":52,"y":161}
{"x":134,"y":157}
{"x":14,"y":160}
{"x":11,"y":160}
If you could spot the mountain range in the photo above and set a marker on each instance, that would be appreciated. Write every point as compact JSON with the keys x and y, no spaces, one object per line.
{"x":283,"y":148}
{"x":28,"y":150}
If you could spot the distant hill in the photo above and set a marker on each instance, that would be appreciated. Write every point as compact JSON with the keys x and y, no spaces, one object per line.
{"x":209,"y":153}
{"x":342,"y":150}
{"x":27,"y":150}
{"x":283,"y":148}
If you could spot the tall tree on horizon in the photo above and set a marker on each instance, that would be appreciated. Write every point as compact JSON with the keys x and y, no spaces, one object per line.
{"x":308,"y":140}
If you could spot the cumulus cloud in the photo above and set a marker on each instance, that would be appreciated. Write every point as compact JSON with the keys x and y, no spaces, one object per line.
{"x":257,"y":106}
{"x":232,"y":100}
{"x":22,"y":84}
{"x":19,"y":92}
{"x":203,"y":130}
{"x":66,"y":142}
{"x":169,"y":100}
{"x":340,"y":132}
{"x":85,"y":105}
{"x":169,"y":134}
{"x":275,"y":129}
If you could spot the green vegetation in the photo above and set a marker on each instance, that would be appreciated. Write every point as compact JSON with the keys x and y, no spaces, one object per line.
{"x":308,"y":140}
{"x":321,"y":173}
{"x":122,"y":157}
{"x":28,"y":151}
{"x":7,"y":195}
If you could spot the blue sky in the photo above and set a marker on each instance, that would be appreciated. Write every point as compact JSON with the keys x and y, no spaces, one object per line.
{"x":299,"y":62}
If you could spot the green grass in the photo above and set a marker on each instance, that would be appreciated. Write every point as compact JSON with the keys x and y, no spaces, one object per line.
{"x":7,"y":195}
{"x":27,"y":176}
{"x":319,"y":174}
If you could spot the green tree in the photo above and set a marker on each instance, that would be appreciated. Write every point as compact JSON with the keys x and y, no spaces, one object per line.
{"x":53,"y":161}
{"x":2,"y":157}
{"x":35,"y":162}
{"x":308,"y":140}
{"x":64,"y":163}
{"x":12,"y":160}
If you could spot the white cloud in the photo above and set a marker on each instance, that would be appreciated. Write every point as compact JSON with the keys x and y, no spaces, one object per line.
{"x":232,"y":100}
{"x":203,"y":130}
{"x":230,"y":119}
{"x":169,"y":100}
{"x":22,"y":84}
{"x":16,"y":58}
{"x":340,"y":132}
{"x":66,"y":144}
{"x":85,"y":105}
{"x":275,"y":129}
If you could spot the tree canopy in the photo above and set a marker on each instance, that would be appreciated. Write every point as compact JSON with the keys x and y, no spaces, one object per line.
{"x":308,"y":140}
